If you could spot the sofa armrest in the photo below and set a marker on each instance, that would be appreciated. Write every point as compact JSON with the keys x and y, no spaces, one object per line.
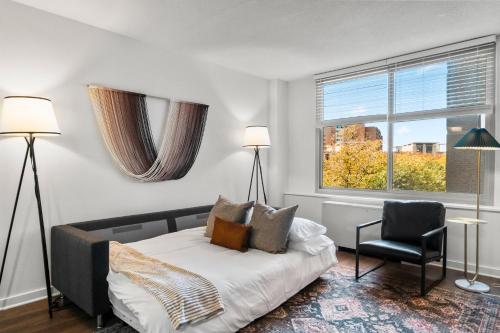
{"x":80,"y":263}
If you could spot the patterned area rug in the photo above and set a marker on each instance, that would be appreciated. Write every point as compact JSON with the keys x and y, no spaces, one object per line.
{"x":377,"y":303}
{"x":336,"y":303}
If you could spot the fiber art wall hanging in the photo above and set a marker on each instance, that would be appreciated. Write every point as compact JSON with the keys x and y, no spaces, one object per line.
{"x":124,"y":123}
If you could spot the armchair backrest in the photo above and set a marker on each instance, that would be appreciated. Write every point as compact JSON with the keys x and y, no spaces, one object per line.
{"x":406,"y":221}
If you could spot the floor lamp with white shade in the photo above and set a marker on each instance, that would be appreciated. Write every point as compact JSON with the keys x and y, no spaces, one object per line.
{"x":257,"y":137}
{"x":29,"y":117}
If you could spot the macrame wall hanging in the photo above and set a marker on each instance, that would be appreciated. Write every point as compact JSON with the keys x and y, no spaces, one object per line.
{"x":123,"y":120}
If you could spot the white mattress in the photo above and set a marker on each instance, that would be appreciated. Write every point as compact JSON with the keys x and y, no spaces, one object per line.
{"x":251,"y":284}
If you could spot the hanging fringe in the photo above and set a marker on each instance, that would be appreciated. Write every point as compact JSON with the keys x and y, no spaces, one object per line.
{"x":124,"y":124}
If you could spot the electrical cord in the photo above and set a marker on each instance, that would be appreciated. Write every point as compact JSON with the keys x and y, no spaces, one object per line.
{"x":58,"y":302}
{"x":494,"y":285}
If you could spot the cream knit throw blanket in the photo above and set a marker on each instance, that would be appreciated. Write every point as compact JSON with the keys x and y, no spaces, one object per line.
{"x":187,"y":297}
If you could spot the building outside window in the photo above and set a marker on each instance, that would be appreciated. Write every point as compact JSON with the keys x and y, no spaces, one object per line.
{"x":392,"y":128}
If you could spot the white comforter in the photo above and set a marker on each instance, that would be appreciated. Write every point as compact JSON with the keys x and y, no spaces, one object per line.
{"x":251,"y":284}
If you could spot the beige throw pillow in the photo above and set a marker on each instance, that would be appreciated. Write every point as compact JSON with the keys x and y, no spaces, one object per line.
{"x":229,"y":211}
{"x":270,"y":228}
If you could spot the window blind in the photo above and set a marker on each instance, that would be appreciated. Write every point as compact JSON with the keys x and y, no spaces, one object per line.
{"x":453,"y":81}
{"x":359,"y":94}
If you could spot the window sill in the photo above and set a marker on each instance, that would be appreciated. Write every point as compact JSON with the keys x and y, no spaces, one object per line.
{"x":379,"y":201}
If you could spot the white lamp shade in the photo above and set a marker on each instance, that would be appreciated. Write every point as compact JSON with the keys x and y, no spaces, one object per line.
{"x":25,"y":115}
{"x":256,"y":136}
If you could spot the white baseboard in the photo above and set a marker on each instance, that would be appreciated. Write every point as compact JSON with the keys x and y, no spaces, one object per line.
{"x":459,"y":266}
{"x":483,"y":270}
{"x":25,"y":298}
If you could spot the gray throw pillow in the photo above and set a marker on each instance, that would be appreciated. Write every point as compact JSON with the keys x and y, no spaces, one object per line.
{"x":228,"y":211}
{"x":270,"y":228}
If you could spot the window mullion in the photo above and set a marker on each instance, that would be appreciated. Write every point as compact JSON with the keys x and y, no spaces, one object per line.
{"x":390,"y":112}
{"x":353,"y":120}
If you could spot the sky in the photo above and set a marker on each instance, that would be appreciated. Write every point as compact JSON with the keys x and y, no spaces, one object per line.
{"x":429,"y":130}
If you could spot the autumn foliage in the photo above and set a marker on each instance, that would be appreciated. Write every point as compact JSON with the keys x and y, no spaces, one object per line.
{"x":362,"y":164}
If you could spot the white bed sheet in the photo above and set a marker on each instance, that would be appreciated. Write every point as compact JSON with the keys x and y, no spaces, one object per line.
{"x":251,"y":284}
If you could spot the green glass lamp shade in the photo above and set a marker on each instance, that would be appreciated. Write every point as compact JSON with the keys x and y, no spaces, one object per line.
{"x":477,"y":139}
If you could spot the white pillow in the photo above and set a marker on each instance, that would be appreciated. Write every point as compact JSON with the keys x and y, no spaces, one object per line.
{"x":304,"y":229}
{"x":313,"y":246}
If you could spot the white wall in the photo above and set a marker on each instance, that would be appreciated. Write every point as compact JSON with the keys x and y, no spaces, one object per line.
{"x":302,"y":185}
{"x":45,"y":55}
{"x":278,"y":131}
{"x":301,"y":135}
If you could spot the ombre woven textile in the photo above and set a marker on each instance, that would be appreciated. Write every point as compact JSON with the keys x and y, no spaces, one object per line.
{"x":123,"y":120}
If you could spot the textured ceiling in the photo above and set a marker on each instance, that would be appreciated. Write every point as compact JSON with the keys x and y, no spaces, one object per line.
{"x":285,"y":39}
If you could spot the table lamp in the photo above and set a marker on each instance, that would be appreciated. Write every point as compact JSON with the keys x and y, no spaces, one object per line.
{"x":257,"y":137}
{"x":29,"y":117}
{"x":477,"y":139}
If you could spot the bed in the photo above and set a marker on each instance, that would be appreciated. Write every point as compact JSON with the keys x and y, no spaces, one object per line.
{"x":251,"y":284}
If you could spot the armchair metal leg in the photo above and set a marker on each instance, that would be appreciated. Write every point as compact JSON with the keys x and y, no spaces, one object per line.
{"x":422,"y":280}
{"x":357,"y":254}
{"x":358,"y":228}
{"x":357,"y":265}
{"x":443,"y":272}
{"x":445,"y":240}
{"x":425,"y":289}
{"x":368,"y":271}
{"x":100,"y":322}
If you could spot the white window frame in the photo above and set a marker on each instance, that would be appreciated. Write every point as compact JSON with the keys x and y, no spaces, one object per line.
{"x":390,"y":118}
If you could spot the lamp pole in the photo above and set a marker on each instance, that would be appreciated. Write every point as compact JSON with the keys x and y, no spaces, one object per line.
{"x":42,"y":227}
{"x":30,"y":151}
{"x":257,"y":169}
{"x":29,"y":116}
{"x":14,"y":210}
{"x":257,"y":137}
{"x":475,"y":139}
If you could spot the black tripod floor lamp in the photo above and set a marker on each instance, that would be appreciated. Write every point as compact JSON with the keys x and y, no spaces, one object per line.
{"x":29,"y":117}
{"x":257,"y":137}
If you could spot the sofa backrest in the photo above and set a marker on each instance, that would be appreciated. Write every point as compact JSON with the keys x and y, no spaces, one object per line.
{"x":134,"y":228}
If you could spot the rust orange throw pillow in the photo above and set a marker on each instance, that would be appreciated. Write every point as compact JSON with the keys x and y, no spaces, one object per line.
{"x":230,"y":235}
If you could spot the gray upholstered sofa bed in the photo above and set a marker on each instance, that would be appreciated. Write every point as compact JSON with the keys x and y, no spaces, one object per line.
{"x":80,"y":251}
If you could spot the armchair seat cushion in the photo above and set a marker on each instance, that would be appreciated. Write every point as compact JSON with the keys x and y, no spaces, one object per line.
{"x":395,"y":250}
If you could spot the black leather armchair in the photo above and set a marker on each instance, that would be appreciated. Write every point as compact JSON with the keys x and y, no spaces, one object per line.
{"x":412,"y":231}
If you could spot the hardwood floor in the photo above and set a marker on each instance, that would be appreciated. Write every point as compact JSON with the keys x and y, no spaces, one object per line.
{"x":34,"y":317}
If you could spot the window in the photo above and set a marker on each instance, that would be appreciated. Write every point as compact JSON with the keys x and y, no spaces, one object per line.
{"x":424,"y":158}
{"x":392,"y":127}
{"x":355,"y":156}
